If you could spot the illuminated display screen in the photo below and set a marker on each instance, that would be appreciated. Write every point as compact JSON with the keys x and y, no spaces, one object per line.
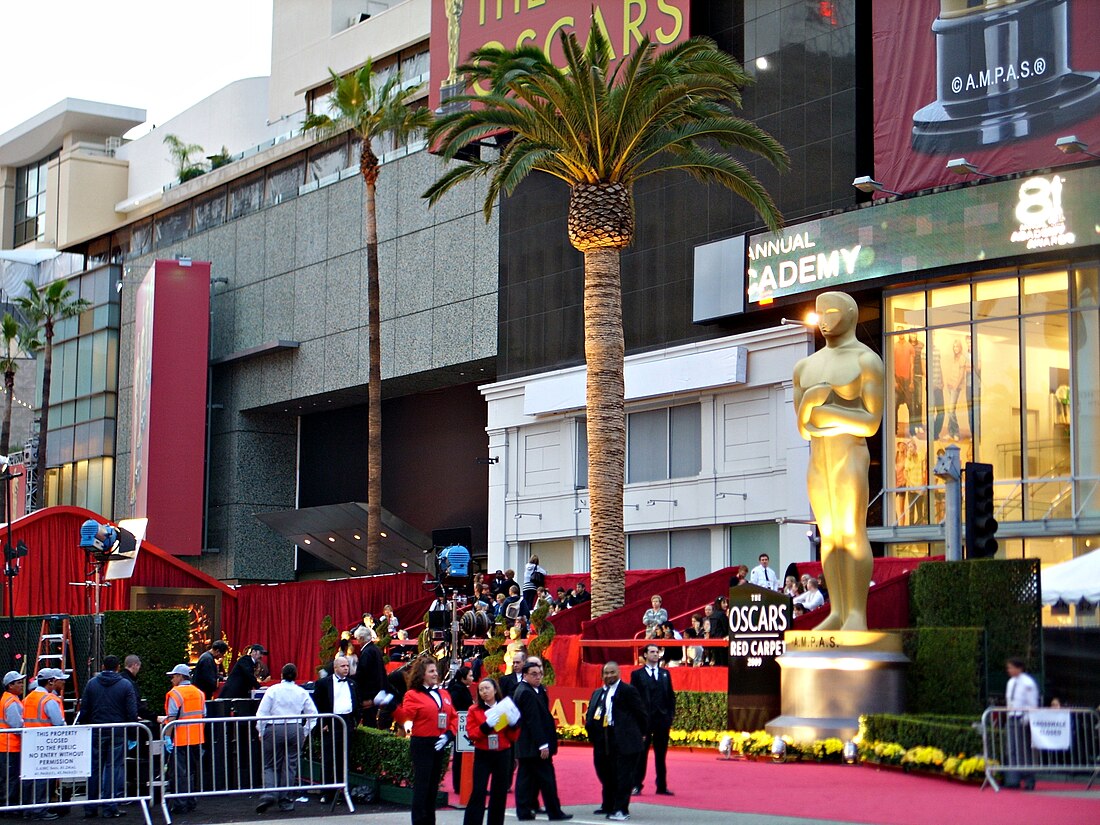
{"x":999,"y":220}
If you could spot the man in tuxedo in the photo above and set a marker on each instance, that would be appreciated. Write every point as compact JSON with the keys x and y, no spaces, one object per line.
{"x":510,"y":681}
{"x":535,"y":748}
{"x":242,"y":678}
{"x":370,"y":677}
{"x":336,"y":693}
{"x":616,"y":723}
{"x":655,"y":686}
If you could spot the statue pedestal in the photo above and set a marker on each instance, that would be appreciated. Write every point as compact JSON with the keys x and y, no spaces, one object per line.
{"x":831,"y":677}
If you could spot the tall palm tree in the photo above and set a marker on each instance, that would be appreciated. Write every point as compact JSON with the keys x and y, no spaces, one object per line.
{"x":17,"y":339}
{"x":43,"y":308}
{"x":600,"y":131}
{"x":373,"y":110}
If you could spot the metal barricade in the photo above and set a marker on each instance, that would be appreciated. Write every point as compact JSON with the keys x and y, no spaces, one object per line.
{"x":94,"y":766}
{"x":1022,"y":744}
{"x":293,"y":755}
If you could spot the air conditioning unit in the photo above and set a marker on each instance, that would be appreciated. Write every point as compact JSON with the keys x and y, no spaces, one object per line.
{"x":112,"y":145}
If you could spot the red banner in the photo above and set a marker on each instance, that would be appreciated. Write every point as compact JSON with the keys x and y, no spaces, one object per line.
{"x":461,"y":26}
{"x":995,"y":83}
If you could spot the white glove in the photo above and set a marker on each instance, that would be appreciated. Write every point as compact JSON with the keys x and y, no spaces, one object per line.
{"x":441,"y":742}
{"x":409,"y":726}
{"x":382,"y":698}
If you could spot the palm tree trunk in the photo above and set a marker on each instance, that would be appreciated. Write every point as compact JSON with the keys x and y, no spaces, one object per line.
{"x":5,"y":428}
{"x":369,"y":168}
{"x":604,"y":350}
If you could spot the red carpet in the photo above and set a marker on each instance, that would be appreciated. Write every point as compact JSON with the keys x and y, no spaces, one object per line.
{"x":830,"y":792}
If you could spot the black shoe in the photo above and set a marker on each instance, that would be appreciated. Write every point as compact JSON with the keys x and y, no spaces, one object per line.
{"x":601,"y":811}
{"x":665,"y":792}
{"x":112,"y":814}
{"x":526,"y":818}
{"x":284,"y":806}
{"x":562,"y":817}
{"x":1028,"y":785}
{"x":636,"y":790}
{"x":48,"y":816}
{"x":264,"y":803}
{"x":540,"y":811}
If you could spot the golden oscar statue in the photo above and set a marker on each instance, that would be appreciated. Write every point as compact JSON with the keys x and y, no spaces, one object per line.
{"x":454,"y":28}
{"x":838,"y":392}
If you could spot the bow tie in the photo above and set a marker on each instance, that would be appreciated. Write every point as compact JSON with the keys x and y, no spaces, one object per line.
{"x":341,"y":679}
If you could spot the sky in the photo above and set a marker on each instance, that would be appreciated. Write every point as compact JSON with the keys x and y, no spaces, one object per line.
{"x":149,"y":54}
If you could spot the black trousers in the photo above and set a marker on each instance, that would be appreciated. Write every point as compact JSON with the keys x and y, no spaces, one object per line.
{"x":615,"y":770}
{"x":492,"y":775}
{"x":427,"y":765}
{"x":658,"y":738}
{"x":535,"y":776}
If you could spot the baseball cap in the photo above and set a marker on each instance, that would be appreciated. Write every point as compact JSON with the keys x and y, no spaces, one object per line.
{"x":12,"y":676}
{"x":180,"y":670}
{"x":48,"y":673}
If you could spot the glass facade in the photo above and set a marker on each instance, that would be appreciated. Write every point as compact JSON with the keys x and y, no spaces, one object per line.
{"x":1003,"y":366}
{"x":84,"y":397}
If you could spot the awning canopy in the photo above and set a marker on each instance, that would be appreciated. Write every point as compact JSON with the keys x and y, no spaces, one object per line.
{"x":336,"y":534}
{"x":1073,"y":580}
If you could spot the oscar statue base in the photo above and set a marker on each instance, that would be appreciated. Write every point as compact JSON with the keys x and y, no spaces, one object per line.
{"x":829,"y":678}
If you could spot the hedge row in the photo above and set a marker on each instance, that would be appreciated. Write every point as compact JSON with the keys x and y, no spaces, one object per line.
{"x":951,"y":734}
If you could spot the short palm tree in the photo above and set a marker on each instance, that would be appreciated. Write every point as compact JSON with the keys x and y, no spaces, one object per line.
{"x":601,"y":130}
{"x":17,"y":341}
{"x":181,"y":153}
{"x":373,"y":109}
{"x":43,"y":308}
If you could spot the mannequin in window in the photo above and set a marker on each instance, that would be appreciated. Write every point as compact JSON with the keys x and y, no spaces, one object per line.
{"x":838,"y":393}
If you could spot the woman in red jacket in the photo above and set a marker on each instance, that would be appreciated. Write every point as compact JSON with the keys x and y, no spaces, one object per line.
{"x":428,"y":715}
{"x":492,"y":758}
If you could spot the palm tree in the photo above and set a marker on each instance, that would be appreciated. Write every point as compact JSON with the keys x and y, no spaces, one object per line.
{"x":601,"y":130}
{"x":43,"y":308}
{"x":181,"y":156}
{"x":373,"y":110}
{"x":17,"y":339}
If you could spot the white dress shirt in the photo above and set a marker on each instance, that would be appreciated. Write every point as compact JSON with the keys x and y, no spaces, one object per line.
{"x":286,"y":699}
{"x":341,"y":696}
{"x":764,"y":577}
{"x":1022,"y":693}
{"x":810,"y":600}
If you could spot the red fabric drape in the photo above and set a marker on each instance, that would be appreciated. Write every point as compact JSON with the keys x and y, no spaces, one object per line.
{"x":885,"y":568}
{"x":286,"y":618}
{"x":640,"y":586}
{"x":887,"y":607}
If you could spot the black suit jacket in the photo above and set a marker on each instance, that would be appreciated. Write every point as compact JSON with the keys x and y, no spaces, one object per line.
{"x":628,"y":716}
{"x":536,"y":725}
{"x":370,"y":675}
{"x":241,"y":680}
{"x":205,"y":675}
{"x":509,"y":683}
{"x":658,"y":696}
{"x":323,"y":698}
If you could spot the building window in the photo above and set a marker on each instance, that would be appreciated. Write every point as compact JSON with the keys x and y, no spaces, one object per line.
{"x":30,"y":201}
{"x":664,"y":444}
{"x":283,"y":181}
{"x":581,"y":481}
{"x":689,"y":549}
{"x":996,"y":367}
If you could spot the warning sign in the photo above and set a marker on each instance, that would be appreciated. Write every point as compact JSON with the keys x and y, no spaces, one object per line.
{"x":57,"y":753}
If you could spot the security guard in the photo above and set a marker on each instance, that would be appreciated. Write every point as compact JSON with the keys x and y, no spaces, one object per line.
{"x":11,"y":717}
{"x":187,"y":704}
{"x":42,"y":709}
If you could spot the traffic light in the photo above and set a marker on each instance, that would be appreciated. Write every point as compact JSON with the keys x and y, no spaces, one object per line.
{"x":981,"y":527}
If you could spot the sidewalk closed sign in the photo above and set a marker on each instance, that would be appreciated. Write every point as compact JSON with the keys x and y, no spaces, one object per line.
{"x":1049,"y":730}
{"x":462,"y":742}
{"x":57,"y":753}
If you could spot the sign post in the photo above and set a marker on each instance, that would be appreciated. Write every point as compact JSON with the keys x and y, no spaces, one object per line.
{"x":758,"y":619}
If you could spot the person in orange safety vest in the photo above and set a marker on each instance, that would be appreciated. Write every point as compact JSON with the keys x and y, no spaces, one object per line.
{"x":185,"y":705}
{"x":11,"y":717}
{"x":42,"y":708}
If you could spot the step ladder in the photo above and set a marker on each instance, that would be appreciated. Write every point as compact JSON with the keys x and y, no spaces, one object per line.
{"x":55,"y":649}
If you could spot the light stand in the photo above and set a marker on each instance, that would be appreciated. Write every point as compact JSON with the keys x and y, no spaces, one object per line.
{"x":12,"y":554}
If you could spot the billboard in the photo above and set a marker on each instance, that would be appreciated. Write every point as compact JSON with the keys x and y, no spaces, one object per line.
{"x":991,"y":81}
{"x":461,"y":26}
{"x":168,"y":403}
{"x":1003,"y":219}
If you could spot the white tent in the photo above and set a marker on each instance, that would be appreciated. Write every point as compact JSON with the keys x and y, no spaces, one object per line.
{"x":1073,"y":580}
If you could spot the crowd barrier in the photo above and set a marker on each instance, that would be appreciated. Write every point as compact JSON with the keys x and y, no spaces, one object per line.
{"x":54,"y":762}
{"x":1023,"y":744}
{"x":295,"y":754}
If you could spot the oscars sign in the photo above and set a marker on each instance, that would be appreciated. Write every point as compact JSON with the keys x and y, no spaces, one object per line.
{"x":758,"y":619}
{"x":459,"y":27}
